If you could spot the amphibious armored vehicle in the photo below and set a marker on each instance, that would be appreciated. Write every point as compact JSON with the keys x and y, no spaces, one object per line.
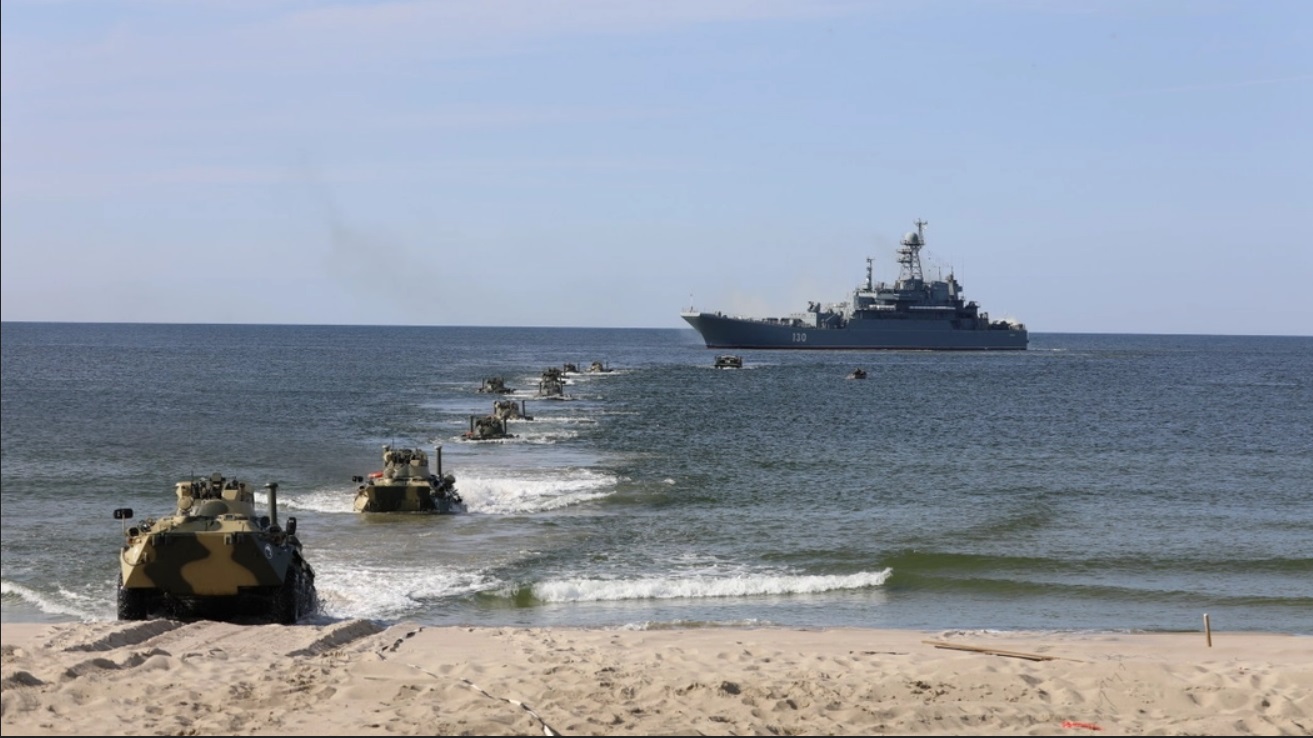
{"x":215,"y":558}
{"x":496,"y":386}
{"x":405,"y":484}
{"x":511,"y":410}
{"x":488,"y":428}
{"x":552,"y":384}
{"x":729,"y":361}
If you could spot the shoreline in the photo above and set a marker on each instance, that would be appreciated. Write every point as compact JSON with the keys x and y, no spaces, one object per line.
{"x":361,"y":677}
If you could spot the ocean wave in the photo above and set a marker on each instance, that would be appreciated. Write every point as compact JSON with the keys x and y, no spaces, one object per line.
{"x":597,"y":590}
{"x":355,"y":592}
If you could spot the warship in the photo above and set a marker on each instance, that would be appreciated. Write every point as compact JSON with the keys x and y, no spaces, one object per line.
{"x":911,"y":314}
{"x":405,"y":484}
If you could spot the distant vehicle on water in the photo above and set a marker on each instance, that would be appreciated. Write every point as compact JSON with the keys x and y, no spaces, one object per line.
{"x":912,"y":313}
{"x":728,"y":361}
{"x":495,"y":385}
{"x":405,"y":484}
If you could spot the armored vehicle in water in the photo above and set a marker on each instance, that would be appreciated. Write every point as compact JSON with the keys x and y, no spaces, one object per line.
{"x":728,"y":361}
{"x":487,"y":428}
{"x":598,"y":367}
{"x":406,"y":484}
{"x":215,"y":558}
{"x":511,"y":410}
{"x":496,"y":386}
{"x":551,"y":385}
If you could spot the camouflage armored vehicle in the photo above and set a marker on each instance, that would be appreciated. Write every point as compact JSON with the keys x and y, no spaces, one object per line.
{"x":552,"y":384}
{"x":496,"y":386}
{"x":728,"y":361}
{"x":406,"y":484}
{"x":487,"y":428}
{"x":510,"y":410}
{"x":215,"y":558}
{"x":598,"y":366}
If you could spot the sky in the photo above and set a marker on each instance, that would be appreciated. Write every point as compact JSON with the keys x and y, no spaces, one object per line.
{"x":1119,"y":166}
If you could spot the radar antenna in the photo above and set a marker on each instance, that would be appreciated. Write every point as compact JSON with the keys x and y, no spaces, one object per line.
{"x":909,"y":256}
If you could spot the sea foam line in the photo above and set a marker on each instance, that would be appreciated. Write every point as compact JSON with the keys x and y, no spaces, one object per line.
{"x":596,"y":590}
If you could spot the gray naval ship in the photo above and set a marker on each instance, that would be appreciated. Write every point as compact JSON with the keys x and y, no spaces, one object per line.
{"x":912,"y":314}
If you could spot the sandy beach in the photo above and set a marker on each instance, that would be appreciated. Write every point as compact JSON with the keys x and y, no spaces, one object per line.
{"x":358,"y":677}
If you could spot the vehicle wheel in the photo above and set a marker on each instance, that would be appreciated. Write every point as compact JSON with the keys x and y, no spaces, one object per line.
{"x":134,"y":603}
{"x":288,"y":598}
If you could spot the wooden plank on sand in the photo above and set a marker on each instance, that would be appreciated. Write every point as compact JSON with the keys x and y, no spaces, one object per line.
{"x":993,"y":651}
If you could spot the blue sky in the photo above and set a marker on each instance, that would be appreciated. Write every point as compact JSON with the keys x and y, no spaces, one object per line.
{"x":1113,"y":167}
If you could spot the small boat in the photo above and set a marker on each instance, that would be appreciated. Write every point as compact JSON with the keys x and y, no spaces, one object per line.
{"x":406,"y":485}
{"x":729,"y":361}
{"x":857,"y":373}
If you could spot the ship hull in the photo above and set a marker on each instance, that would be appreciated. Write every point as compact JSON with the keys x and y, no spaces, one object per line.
{"x":725,"y":332}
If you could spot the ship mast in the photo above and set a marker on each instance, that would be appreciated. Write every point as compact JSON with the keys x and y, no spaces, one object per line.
{"x":909,"y":256}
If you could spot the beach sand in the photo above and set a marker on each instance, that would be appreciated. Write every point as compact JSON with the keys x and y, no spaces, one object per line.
{"x":358,"y":677}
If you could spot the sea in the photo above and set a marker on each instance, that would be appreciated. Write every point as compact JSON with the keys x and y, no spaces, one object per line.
{"x":1094,"y":482}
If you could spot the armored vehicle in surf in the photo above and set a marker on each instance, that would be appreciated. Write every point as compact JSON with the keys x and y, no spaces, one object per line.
{"x":215,"y":558}
{"x":488,"y":428}
{"x":406,"y":484}
{"x":728,"y":361}
{"x":511,"y":410}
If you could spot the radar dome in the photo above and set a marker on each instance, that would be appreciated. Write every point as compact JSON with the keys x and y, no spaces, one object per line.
{"x":912,"y":239}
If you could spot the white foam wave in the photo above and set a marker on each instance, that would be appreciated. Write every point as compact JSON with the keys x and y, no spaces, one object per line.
{"x":77,"y":605}
{"x":530,"y":492}
{"x":596,"y":590}
{"x":394,"y":592}
{"x":323,"y":500}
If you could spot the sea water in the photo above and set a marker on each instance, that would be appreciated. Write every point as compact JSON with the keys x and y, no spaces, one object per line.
{"x":1092,"y":482}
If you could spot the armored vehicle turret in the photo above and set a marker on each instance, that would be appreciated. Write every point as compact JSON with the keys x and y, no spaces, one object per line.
{"x":405,"y":484}
{"x":215,"y":558}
